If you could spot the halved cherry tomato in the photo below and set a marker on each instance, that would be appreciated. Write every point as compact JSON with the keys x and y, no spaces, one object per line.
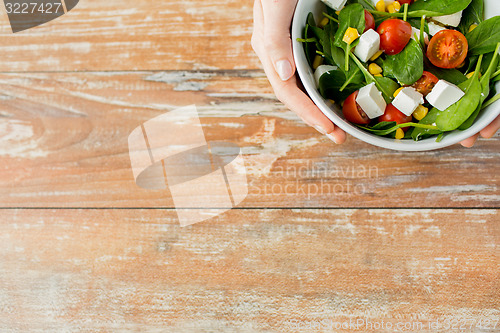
{"x":369,"y":21}
{"x":393,"y":114}
{"x":394,"y":35}
{"x":447,"y":49}
{"x":426,"y":82}
{"x":405,"y":1}
{"x":353,"y":112}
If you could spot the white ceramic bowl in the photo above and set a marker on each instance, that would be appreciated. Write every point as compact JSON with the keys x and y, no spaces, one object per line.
{"x":334,"y":113}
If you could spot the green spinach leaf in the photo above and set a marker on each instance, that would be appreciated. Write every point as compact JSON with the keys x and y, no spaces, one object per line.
{"x":325,"y":37}
{"x":354,"y":72}
{"x":451,"y":75}
{"x":422,"y":133}
{"x":485,"y":86}
{"x":488,"y":58}
{"x":468,"y":123}
{"x":351,"y":16}
{"x":473,"y":14}
{"x":366,"y":3}
{"x":323,"y":46}
{"x":388,"y":127}
{"x":331,"y":82}
{"x":408,"y":65}
{"x":493,"y":99}
{"x":383,"y":125}
{"x":387,"y":87}
{"x":484,"y":37}
{"x":383,"y":85}
{"x":436,"y":7}
{"x":455,"y":115}
{"x":310,"y":47}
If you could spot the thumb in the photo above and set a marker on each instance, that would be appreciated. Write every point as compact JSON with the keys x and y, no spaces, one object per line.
{"x":277,"y":42}
{"x":279,"y":50}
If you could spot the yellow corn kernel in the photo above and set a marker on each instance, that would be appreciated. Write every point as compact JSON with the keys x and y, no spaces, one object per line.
{"x":376,"y":55}
{"x":323,"y":22}
{"x":391,"y":8}
{"x":420,"y":112}
{"x":472,"y":73}
{"x":397,"y":5}
{"x":373,"y":68}
{"x":380,"y":6}
{"x":351,"y":34}
{"x":400,"y":134}
{"x":318,"y":60}
{"x":397,"y":91}
{"x":472,"y":27}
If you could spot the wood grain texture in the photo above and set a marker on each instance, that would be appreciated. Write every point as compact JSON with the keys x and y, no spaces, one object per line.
{"x":63,"y":143}
{"x":135,"y":35}
{"x":71,"y":92}
{"x":246,"y":270}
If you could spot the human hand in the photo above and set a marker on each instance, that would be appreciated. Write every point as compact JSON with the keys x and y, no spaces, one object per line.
{"x":487,"y":133}
{"x":273,"y":45}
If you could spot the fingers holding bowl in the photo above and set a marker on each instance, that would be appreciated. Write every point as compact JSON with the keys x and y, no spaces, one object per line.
{"x":273,"y":46}
{"x":491,"y":129}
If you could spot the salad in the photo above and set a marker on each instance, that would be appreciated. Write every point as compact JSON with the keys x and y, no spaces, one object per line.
{"x":406,"y":69}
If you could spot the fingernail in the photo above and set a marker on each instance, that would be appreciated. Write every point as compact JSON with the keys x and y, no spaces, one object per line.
{"x":319,"y":129}
{"x":284,"y":69}
{"x":331,"y":137}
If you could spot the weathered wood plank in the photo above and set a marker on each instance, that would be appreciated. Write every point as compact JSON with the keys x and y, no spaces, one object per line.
{"x":263,"y":270}
{"x":135,"y":35}
{"x":63,"y":143}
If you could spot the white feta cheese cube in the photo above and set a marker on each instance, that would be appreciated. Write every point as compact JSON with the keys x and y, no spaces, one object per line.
{"x":415,"y":31}
{"x":407,"y":100}
{"x":371,"y":101}
{"x":322,"y":69}
{"x":444,"y":94}
{"x":450,"y":20}
{"x":434,"y":28}
{"x":369,"y":44}
{"x":335,"y":4}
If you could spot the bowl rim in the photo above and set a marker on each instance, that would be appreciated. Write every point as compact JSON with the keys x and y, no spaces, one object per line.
{"x":333,"y":112}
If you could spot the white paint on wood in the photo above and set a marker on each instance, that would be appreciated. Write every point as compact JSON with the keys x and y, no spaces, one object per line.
{"x":16,"y":139}
{"x":455,"y":188}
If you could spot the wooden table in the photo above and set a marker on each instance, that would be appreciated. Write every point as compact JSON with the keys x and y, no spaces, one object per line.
{"x":408,"y":239}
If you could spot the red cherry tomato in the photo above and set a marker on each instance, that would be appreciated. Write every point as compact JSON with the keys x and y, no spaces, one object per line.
{"x":393,"y":114}
{"x":405,"y":1}
{"x":369,"y":21}
{"x":447,"y":49}
{"x":426,"y":82}
{"x":353,"y":112}
{"x":394,"y":35}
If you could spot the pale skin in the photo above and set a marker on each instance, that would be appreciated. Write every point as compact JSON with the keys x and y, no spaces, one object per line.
{"x":272,"y":42}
